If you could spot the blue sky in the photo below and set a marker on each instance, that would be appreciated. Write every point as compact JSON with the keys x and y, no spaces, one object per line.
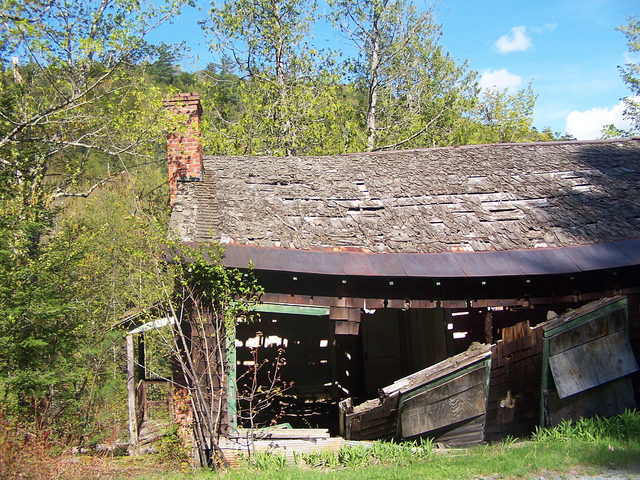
{"x":570,"y":50}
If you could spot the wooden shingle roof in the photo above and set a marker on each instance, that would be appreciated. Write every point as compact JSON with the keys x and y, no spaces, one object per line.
{"x":473,"y":198}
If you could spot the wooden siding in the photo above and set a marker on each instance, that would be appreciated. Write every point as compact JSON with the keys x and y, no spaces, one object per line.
{"x":589,"y":359}
{"x":514,"y":386}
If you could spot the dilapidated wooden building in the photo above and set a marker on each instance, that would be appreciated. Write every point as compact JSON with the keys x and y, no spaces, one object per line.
{"x":377,"y":265}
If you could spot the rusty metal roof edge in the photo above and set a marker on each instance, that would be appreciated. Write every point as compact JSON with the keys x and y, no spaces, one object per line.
{"x":516,"y":261}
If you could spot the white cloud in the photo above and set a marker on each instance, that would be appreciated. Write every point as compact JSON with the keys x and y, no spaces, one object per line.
{"x":588,"y":125}
{"x":518,"y":41}
{"x":547,"y":27}
{"x":500,"y":79}
{"x":631,"y":57}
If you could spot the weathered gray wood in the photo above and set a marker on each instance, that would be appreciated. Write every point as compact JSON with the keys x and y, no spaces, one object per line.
{"x":588,"y":331}
{"x":594,"y":363}
{"x":452,"y":402}
{"x":291,"y":433}
{"x":373,"y":419}
{"x":345,"y":407}
{"x":468,"y":433}
{"x":476,"y":353}
{"x":131,"y":394}
{"x":606,"y":400}
{"x":585,"y":313}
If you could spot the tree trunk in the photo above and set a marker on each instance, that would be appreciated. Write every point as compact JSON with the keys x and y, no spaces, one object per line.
{"x":373,"y":83}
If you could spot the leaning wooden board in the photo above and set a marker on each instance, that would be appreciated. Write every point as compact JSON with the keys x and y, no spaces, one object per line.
{"x":447,"y":401}
{"x":587,"y":358}
{"x":440,"y":407}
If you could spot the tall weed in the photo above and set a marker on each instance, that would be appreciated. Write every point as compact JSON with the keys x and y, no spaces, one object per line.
{"x":267,"y":461}
{"x":375,"y":453}
{"x":24,"y":452}
{"x":623,"y":427}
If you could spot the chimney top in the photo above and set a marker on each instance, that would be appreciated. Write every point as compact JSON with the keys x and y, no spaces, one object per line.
{"x":184,"y":151}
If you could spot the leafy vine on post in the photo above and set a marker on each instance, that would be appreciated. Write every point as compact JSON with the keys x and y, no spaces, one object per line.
{"x":207,"y":301}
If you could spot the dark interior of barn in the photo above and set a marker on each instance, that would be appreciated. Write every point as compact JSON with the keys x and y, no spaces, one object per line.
{"x":319,"y":368}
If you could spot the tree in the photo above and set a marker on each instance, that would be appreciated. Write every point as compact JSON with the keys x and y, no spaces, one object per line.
{"x":504,"y":117}
{"x":415,"y":92}
{"x":288,"y":90}
{"x":74,"y":117}
{"x":631,"y":75}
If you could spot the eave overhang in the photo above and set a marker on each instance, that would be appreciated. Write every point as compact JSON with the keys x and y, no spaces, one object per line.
{"x":531,"y":262}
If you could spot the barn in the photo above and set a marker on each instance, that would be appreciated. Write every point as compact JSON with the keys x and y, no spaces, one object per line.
{"x":378,"y":265}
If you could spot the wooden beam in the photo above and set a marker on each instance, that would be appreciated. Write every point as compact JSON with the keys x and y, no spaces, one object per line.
{"x":131,"y":397}
{"x":292,"y":309}
{"x":141,"y":367}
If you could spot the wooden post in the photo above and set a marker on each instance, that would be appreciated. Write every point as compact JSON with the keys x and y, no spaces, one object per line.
{"x":131,"y":397}
{"x":141,"y":367}
{"x":230,"y":359}
{"x":488,"y":328}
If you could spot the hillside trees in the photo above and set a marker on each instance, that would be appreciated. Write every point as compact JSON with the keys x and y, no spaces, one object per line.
{"x":75,"y":116}
{"x":288,"y":91}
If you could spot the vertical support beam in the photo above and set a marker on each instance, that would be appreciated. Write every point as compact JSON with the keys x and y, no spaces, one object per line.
{"x":141,"y":367}
{"x":544,"y":383}
{"x":230,"y":367}
{"x":131,"y":397}
{"x":488,"y":328}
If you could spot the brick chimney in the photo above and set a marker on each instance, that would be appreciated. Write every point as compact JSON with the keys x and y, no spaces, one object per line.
{"x":184,"y":151}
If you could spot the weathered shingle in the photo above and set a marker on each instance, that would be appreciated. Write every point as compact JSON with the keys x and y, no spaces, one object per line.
{"x":474,"y":198}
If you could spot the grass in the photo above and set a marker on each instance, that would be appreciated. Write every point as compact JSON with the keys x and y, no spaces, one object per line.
{"x":513,"y":460}
{"x":585,"y":447}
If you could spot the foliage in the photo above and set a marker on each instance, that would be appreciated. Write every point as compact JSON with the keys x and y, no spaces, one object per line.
{"x":76,"y":118}
{"x":630,"y":74}
{"x":289,"y":93}
{"x":623,"y":427}
{"x":204,"y":300}
{"x":413,"y":92}
{"x":171,"y":448}
{"x":503,"y":117}
{"x":267,"y":461}
{"x":25,"y":453}
{"x":373,"y":453}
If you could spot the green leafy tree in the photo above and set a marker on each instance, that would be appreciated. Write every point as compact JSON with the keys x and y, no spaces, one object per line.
{"x":631,"y":75}
{"x":288,"y":91}
{"x":414,"y":92}
{"x":505,"y":117}
{"x":75,"y":116}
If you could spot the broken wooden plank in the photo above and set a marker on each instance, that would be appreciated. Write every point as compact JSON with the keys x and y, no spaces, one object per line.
{"x":459,"y":399}
{"x":475,"y":353}
{"x":374,"y":419}
{"x":591,"y":364}
{"x":585,"y":352}
{"x":289,"y":433}
{"x":469,"y":432}
{"x":605,"y":400}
